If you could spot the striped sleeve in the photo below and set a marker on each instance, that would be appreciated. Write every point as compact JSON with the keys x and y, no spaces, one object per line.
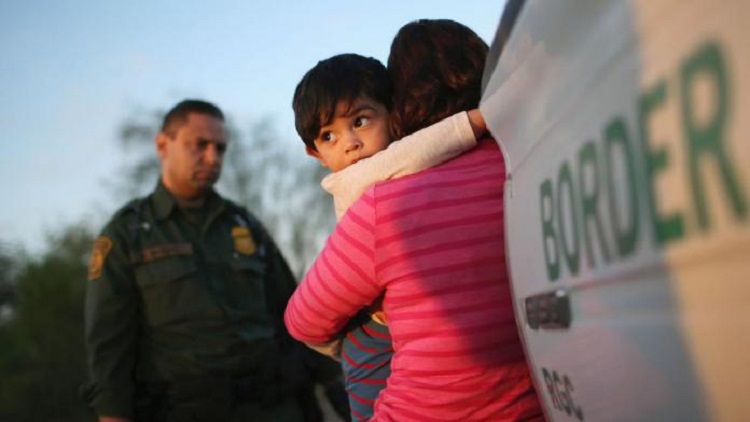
{"x":340,"y":282}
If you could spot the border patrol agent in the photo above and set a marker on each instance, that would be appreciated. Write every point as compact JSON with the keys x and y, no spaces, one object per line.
{"x":185,"y":299}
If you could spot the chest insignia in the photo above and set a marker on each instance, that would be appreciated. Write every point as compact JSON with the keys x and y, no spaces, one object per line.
{"x":243,"y":240}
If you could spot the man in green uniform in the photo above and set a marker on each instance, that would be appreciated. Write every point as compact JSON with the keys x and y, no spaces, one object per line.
{"x":185,"y":298}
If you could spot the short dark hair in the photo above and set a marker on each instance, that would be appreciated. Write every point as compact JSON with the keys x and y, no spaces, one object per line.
{"x":178,"y":114}
{"x":436,"y":67}
{"x":343,"y":77}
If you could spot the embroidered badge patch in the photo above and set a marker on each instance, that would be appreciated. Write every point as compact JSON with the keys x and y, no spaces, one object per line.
{"x":243,"y":240}
{"x":102,"y":246}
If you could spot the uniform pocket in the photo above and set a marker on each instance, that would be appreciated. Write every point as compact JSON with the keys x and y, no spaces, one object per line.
{"x":165,"y":270}
{"x":247,"y":289}
{"x":171,"y":292}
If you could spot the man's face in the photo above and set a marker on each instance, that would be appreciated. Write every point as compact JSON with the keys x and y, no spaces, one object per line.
{"x":192,"y":156}
{"x":358,"y":130}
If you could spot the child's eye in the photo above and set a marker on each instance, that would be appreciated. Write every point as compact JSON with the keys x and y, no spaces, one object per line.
{"x":361,"y":121}
{"x":327,"y":136}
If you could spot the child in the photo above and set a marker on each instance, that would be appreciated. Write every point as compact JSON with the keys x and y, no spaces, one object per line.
{"x":342,"y":113}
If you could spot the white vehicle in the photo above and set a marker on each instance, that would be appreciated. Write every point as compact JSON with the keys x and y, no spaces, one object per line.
{"x":626,"y":130}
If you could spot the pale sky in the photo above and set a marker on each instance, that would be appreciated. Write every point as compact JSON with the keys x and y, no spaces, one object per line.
{"x":72,"y":71}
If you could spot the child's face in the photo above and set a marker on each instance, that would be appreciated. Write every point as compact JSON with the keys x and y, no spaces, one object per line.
{"x":356,"y":132}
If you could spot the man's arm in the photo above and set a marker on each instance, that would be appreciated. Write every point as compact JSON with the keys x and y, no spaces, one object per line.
{"x":279,"y":287}
{"x":111,"y":326}
{"x":280,"y":282}
{"x":421,"y":150}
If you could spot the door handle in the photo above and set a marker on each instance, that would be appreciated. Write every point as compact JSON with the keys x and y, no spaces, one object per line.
{"x":549,"y":310}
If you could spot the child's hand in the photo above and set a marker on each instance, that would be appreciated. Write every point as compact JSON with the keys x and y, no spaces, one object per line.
{"x":376,"y":311}
{"x":379,"y":317}
{"x":478,"y":125}
{"x":332,"y":348}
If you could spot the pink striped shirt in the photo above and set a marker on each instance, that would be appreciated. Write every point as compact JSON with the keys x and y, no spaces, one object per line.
{"x":434,"y":242}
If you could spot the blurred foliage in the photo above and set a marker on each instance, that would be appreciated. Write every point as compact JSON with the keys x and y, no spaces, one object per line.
{"x":11,"y":260}
{"x":42,"y":358}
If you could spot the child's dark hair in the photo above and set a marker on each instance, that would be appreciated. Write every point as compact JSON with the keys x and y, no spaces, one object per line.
{"x":344,"y":77}
{"x":436,"y":67}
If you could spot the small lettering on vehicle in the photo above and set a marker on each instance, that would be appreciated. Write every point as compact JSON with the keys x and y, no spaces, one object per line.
{"x":560,"y":389}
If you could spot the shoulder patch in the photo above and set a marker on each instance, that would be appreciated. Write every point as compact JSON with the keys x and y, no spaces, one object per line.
{"x":102,"y":246}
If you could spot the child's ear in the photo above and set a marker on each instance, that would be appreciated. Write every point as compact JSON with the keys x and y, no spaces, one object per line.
{"x":315,"y":154}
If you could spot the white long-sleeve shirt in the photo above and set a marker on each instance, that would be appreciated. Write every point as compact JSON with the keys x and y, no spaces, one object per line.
{"x":421,"y":150}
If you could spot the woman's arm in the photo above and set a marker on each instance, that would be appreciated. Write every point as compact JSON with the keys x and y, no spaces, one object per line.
{"x":340,"y":282}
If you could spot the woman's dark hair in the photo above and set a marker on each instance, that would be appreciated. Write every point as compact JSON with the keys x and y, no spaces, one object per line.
{"x":436,"y":70}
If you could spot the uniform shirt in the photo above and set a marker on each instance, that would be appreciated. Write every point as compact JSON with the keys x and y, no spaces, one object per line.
{"x":434,"y":243}
{"x":175,"y":295}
